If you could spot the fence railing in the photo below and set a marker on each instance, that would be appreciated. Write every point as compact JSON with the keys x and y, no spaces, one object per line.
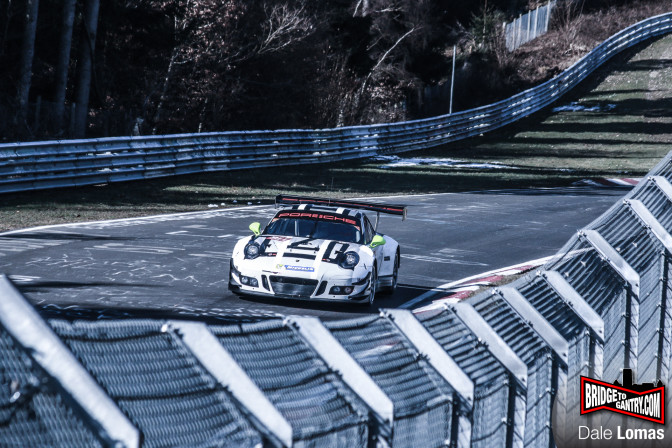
{"x":528,"y":26}
{"x":52,"y":164}
{"x":501,"y":368}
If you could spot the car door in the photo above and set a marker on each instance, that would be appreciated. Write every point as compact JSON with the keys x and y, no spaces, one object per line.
{"x":369,"y":233}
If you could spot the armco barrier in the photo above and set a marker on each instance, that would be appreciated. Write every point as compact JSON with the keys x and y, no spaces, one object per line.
{"x":500,"y":369}
{"x":53,"y":164}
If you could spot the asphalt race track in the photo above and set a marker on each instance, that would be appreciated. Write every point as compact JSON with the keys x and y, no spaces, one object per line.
{"x":179,"y":263}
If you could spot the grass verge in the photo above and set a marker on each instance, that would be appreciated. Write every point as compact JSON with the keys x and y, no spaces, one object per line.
{"x":621,"y":128}
{"x":621,"y":124}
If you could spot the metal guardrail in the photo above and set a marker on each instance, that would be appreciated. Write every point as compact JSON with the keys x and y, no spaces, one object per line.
{"x":501,"y":368}
{"x":68,"y":163}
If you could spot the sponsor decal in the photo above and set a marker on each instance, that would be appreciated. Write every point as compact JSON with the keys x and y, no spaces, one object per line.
{"x":643,"y":401}
{"x":279,"y":238}
{"x":318,"y":216}
{"x":299,"y":268}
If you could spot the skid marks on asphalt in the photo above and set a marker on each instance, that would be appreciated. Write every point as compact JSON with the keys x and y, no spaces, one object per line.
{"x":215,"y":255}
{"x":447,"y":255}
{"x":12,"y":245}
{"x":135,"y":249}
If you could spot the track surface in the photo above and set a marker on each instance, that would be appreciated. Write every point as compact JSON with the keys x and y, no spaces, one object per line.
{"x":179,"y":263}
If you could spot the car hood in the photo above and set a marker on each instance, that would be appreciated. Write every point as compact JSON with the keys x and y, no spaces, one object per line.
{"x":299,"y":254}
{"x":287,"y":246}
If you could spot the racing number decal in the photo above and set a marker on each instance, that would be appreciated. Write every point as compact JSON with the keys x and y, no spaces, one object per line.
{"x":327,"y":258}
{"x":327,"y":252}
{"x":264,"y":246}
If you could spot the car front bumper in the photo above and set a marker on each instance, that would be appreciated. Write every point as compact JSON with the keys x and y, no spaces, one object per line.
{"x":272,"y":284}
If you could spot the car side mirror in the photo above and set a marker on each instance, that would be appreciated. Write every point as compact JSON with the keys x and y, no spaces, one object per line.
{"x":255,"y":227}
{"x":377,"y":240}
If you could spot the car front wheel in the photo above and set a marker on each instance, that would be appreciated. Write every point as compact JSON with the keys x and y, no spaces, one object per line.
{"x":374,"y":284}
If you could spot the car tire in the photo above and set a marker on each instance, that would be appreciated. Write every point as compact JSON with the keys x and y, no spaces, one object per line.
{"x":374,"y":285}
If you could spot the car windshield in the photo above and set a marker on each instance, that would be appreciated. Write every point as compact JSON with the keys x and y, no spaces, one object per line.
{"x":314,"y":225}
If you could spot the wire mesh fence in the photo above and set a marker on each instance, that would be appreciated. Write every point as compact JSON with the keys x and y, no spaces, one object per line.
{"x":528,"y":26}
{"x":422,"y":399}
{"x":499,"y":394}
{"x":601,"y":305}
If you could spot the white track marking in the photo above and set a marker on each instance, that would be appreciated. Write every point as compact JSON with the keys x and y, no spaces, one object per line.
{"x":443,"y":288}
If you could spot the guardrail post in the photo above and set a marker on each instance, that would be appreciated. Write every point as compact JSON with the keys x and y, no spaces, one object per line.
{"x":32,"y":333}
{"x":583,"y":311}
{"x":664,"y":322}
{"x":590,"y":364}
{"x":221,"y":365}
{"x":540,"y":325}
{"x":631,"y":278}
{"x":547,"y":360}
{"x":507,"y":357}
{"x":423,"y":341}
{"x":592,"y":320}
{"x":664,"y":185}
{"x":339,"y":360}
{"x":650,"y":222}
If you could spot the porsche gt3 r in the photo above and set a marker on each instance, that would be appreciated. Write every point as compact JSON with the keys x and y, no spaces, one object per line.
{"x":318,"y":249}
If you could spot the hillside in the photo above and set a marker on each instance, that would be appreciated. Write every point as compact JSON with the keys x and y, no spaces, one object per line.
{"x":617,"y":125}
{"x":172,"y":66}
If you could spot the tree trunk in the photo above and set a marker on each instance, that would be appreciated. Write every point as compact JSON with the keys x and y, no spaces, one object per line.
{"x":164,"y":91}
{"x":27,"y":54}
{"x":365,"y":4}
{"x":63,"y":62}
{"x":85,"y":65}
{"x":5,"y":28}
{"x":360,"y":92}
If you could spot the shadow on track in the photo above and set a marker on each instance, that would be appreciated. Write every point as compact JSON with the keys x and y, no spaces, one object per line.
{"x":403,"y":294}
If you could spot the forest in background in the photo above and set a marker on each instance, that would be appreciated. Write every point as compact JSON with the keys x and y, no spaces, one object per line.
{"x":86,"y":68}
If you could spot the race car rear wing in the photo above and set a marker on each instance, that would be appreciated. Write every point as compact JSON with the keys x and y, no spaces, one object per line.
{"x":399,"y":210}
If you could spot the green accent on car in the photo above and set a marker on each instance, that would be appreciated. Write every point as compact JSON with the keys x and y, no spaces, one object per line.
{"x":377,"y":240}
{"x":255,"y":227}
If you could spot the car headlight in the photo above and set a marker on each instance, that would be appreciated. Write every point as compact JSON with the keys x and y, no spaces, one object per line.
{"x":252,"y":251}
{"x":349,"y":260}
{"x":340,"y":290}
{"x":249,"y":281}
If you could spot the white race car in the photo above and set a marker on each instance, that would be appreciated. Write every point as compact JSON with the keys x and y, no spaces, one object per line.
{"x":319,"y":250}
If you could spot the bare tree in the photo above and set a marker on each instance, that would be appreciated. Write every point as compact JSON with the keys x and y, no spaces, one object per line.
{"x":63,"y":61}
{"x":27,"y":54}
{"x":85,"y":66}
{"x":283,"y":27}
{"x":194,"y":41}
{"x":357,"y":98}
{"x":180,"y":26}
{"x":399,"y":32}
{"x":568,"y":16}
{"x":365,"y":8}
{"x":212,"y":40}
